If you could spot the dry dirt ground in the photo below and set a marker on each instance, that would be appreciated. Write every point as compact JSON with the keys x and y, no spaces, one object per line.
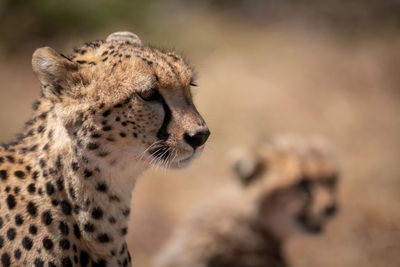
{"x":258,"y":81}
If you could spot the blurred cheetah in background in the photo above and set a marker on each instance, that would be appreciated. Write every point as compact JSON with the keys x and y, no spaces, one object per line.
{"x":286,"y":186}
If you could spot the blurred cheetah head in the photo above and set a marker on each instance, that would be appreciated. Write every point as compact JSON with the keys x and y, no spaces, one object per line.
{"x":291,"y":182}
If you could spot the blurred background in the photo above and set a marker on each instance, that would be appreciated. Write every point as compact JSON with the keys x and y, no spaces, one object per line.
{"x":315,"y":67}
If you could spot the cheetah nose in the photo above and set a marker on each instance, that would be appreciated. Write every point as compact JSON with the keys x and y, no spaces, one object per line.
{"x":197,"y":139}
{"x":330,"y":210}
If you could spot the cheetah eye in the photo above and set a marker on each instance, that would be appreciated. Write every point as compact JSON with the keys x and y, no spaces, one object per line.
{"x":149,"y":95}
{"x":304,"y":185}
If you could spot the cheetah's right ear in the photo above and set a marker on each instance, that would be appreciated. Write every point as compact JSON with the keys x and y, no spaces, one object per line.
{"x":246,"y":165}
{"x":55,"y":72}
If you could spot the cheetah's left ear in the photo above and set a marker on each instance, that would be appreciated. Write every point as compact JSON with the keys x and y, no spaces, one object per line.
{"x":124,"y":36}
{"x":246,"y":165}
{"x":55,"y":72}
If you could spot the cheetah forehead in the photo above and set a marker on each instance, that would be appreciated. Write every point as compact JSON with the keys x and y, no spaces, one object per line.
{"x":168,"y":68}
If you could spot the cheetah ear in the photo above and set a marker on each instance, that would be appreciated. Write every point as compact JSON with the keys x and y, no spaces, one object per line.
{"x":124,"y":36}
{"x":54,"y":71}
{"x":246,"y":165}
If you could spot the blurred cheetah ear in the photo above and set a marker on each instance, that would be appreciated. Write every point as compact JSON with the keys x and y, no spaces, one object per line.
{"x":247,"y":166}
{"x":124,"y":36}
{"x":54,"y":71}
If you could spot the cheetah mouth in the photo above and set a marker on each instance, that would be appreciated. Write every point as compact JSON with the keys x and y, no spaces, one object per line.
{"x":307,"y":226}
{"x":185,"y":160}
{"x":168,"y":157}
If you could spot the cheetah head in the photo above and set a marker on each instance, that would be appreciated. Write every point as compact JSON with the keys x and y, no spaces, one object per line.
{"x":290,"y":182}
{"x":120,"y":100}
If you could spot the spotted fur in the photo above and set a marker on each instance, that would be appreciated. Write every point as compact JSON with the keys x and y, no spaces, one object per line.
{"x":285,"y":186}
{"x":66,"y":182}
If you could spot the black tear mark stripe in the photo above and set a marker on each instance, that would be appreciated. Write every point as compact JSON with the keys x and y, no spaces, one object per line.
{"x":162,"y":133}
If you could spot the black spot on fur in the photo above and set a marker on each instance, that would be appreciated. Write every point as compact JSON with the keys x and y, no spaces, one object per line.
{"x":126,"y":212}
{"x":3,"y":175}
{"x":11,"y":203}
{"x":63,"y":227}
{"x":47,"y":218}
{"x":19,"y":220}
{"x":36,"y":105}
{"x":93,"y":146}
{"x":58,"y":162}
{"x":17,"y":254}
{"x":19,"y":174}
{"x":66,"y":262}
{"x":103,"y":238}
{"x":88,"y":227}
{"x":27,"y":243}
{"x":97,"y":213}
{"x":33,"y":229}
{"x":64,"y":244}
{"x":47,"y":243}
{"x":87,"y":173}
{"x":107,"y":112}
{"x":42,"y":163}
{"x":66,"y":207}
{"x":75,"y":166}
{"x":60,"y":184}
{"x":11,"y":159}
{"x":77,"y":231}
{"x":39,"y":263}
{"x":124,"y":231}
{"x":55,"y":202}
{"x":31,"y":208}
{"x":76,"y":209}
{"x":40,"y":128}
{"x":31,"y":188}
{"x":102,"y":187}
{"x":35,"y":175}
{"x":5,"y":260}
{"x":16,"y":190}
{"x":99,"y":263}
{"x":11,"y":233}
{"x":84,"y":258}
{"x":96,"y":135}
{"x":50,"y":188}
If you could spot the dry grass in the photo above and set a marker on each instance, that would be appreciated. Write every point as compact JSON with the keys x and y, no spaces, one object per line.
{"x":257,"y":82}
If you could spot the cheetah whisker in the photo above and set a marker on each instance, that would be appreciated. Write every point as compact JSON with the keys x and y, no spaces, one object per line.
{"x":140,"y":157}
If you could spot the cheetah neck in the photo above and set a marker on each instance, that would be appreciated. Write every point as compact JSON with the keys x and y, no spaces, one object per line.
{"x":93,"y":196}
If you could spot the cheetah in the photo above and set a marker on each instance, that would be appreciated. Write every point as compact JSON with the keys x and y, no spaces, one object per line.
{"x":106,"y":113}
{"x":282,"y":187}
